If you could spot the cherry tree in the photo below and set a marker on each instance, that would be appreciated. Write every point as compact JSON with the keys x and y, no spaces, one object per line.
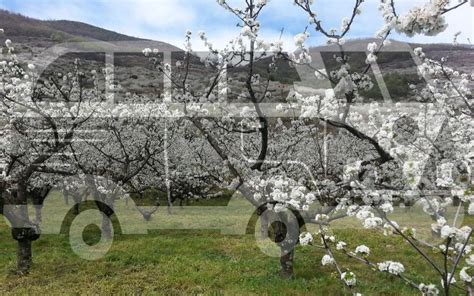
{"x":439,"y":135}
{"x":378,"y":175}
{"x":356,"y":163}
{"x":39,"y":120}
{"x":195,"y":170}
{"x":206,"y":106}
{"x":116,"y":160}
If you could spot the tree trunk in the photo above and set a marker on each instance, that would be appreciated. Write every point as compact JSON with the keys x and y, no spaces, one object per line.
{"x":446,"y":287}
{"x":77,"y":197}
{"x":170,"y":203}
{"x":23,"y":256}
{"x":66,"y":197}
{"x":106,"y":226}
{"x":38,"y":214}
{"x":264,"y":226}
{"x":287,"y":253}
{"x":76,"y":209}
{"x":1,"y":202}
{"x":470,"y":290}
{"x":23,"y":231}
{"x":105,"y":204}
{"x":286,"y":263}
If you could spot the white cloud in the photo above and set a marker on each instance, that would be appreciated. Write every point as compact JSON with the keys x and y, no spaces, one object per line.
{"x":167,"y":20}
{"x":159,"y":14}
{"x":50,"y":9}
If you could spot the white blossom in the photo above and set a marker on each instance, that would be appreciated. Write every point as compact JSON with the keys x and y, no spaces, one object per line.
{"x":306,"y":239}
{"x":372,"y":222}
{"x":470,"y":260}
{"x":300,"y":39}
{"x":341,"y":245}
{"x":327,"y":260}
{"x":147,"y":51}
{"x":428,"y":290}
{"x":471,"y":209}
{"x":395,"y":268}
{"x":448,"y":231}
{"x":349,"y":278}
{"x":372,"y":47}
{"x":363,"y":250}
{"x":387,"y":207}
{"x":466,"y":274}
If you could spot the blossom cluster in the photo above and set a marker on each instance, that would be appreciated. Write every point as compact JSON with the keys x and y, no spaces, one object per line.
{"x":394,"y":268}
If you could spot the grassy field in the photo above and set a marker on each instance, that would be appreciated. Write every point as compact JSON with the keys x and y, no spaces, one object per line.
{"x":202,"y":262}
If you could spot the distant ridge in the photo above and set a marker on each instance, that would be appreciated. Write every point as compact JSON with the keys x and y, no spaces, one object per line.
{"x":31,"y":34}
{"x":18,"y":25}
{"x":88,"y":31}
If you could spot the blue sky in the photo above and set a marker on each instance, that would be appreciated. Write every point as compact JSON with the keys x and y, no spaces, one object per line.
{"x":167,"y":20}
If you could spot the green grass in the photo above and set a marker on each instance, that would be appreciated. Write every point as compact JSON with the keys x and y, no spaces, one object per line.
{"x":201,"y":262}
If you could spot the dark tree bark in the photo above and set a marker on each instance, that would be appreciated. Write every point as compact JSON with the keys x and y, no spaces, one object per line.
{"x":77,"y":197}
{"x":170,"y":204}
{"x":38,"y":214}
{"x":66,"y":197}
{"x":286,"y":250}
{"x":286,"y":263}
{"x":39,"y":195}
{"x":286,"y":233}
{"x":107,"y":211}
{"x":2,"y":202}
{"x":23,"y":231}
{"x":76,"y":209}
{"x":263,"y":226}
{"x":24,"y":256}
{"x":106,"y":226}
{"x":470,"y":290}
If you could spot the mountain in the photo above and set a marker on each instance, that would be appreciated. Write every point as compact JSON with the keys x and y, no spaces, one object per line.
{"x":43,"y":43}
{"x":24,"y":28}
{"x":36,"y":34}
{"x":33,"y":35}
{"x":134,"y":73}
{"x":88,"y":31}
{"x":396,"y":63}
{"x":398,"y":55}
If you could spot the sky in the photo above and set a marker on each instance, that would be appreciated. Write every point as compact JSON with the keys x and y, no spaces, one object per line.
{"x":168,"y":20}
